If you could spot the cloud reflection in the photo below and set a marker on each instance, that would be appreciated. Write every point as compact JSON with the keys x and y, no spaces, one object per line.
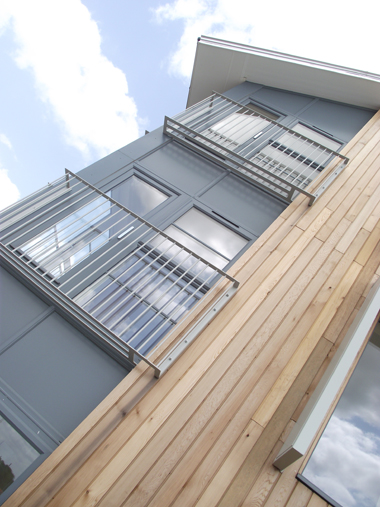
{"x":346,"y":462}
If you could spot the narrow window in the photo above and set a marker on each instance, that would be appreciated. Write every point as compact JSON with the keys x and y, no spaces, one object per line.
{"x":345,"y":464}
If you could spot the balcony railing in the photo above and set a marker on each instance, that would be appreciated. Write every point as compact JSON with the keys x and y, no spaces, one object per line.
{"x":126,"y":278}
{"x":278,"y":159}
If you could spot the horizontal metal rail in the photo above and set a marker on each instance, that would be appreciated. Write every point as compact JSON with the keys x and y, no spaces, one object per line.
{"x":123,"y":273}
{"x":274,"y":157}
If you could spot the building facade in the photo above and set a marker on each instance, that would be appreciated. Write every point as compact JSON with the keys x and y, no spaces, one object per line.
{"x":182,"y":300}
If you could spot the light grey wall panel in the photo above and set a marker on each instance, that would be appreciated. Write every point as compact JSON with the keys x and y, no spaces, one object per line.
{"x":339,"y":120}
{"x":244,"y":203}
{"x":18,"y":306}
{"x":59,"y":372}
{"x":182,"y":168}
{"x":290,"y":103}
{"x":103,"y":168}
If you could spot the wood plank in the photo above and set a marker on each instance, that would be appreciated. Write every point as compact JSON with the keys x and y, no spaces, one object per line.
{"x":242,"y":483}
{"x":73,"y":452}
{"x":282,"y":384}
{"x":372,"y":259}
{"x":317,"y":501}
{"x":358,"y":223}
{"x":249,"y":329}
{"x":300,"y":496}
{"x":369,"y":246}
{"x":230,"y":466}
{"x":284,"y":487}
{"x":350,"y":192}
{"x":265,"y":482}
{"x":336,"y":193}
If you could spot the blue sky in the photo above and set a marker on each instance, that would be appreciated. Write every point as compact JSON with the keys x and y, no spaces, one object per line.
{"x":81,"y":79}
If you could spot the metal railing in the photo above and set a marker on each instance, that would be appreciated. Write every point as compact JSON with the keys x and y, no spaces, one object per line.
{"x":122,"y":272}
{"x":278,"y":159}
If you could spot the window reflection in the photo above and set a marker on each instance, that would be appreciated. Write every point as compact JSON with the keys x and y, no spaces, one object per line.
{"x":90,"y":227}
{"x":139,"y":300}
{"x":137,"y":195}
{"x":207,"y":237}
{"x":345,"y":464}
{"x":16,"y":454}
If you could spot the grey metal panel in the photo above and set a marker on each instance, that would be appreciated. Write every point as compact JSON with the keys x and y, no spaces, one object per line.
{"x":182,"y":168}
{"x":244,"y":203}
{"x":18,"y":306}
{"x":288,"y":102}
{"x":340,"y":120}
{"x":241,"y":91}
{"x":145,"y":144}
{"x":59,"y":372}
{"x":105,"y":167}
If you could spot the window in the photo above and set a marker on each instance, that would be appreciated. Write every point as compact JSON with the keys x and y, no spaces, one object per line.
{"x":144,"y":295}
{"x":141,"y":298}
{"x":16,"y":454}
{"x":240,"y":126}
{"x":24,"y":445}
{"x":263,"y":112}
{"x":345,"y":464}
{"x":207,"y":237}
{"x":90,"y":227}
{"x":295,"y":158}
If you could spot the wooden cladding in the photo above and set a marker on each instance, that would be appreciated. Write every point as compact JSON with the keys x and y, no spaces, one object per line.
{"x":207,"y":432}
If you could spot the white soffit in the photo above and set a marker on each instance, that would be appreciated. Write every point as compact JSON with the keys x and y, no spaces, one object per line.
{"x":219,"y":65}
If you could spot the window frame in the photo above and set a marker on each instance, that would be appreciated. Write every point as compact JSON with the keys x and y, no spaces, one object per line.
{"x":325,"y":397}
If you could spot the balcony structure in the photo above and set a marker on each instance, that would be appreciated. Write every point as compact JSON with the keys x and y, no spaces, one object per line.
{"x":280,"y":160}
{"x":124,"y":278}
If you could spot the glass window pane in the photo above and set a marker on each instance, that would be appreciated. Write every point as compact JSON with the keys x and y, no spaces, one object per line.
{"x":346,"y":461}
{"x":212,"y":233}
{"x":317,"y":136}
{"x":262,"y":111}
{"x":81,"y":233}
{"x":16,"y":454}
{"x":137,"y":195}
{"x":193,"y":245}
{"x":239,"y":127}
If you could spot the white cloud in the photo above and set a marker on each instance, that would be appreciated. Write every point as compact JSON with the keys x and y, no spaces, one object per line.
{"x":346,"y":464}
{"x":321,"y":32}
{"x":9,"y":193}
{"x":4,"y":140}
{"x":61,"y":45}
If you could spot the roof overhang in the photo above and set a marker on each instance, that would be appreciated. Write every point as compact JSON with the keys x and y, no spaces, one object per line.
{"x":232,"y":63}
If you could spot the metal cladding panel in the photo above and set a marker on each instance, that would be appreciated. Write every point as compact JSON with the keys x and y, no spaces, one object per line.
{"x":18,"y":306}
{"x":53,"y":368}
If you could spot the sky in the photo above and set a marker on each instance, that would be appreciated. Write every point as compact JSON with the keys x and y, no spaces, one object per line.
{"x":346,"y":462}
{"x":80,"y":79}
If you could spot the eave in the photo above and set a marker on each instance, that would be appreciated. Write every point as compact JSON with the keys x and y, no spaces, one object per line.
{"x":234,"y":63}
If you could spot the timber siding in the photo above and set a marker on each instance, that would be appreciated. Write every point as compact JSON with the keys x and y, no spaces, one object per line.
{"x":207,"y":432}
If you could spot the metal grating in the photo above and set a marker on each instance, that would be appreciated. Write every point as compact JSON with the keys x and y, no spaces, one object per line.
{"x":131,"y":278}
{"x":278,"y":159}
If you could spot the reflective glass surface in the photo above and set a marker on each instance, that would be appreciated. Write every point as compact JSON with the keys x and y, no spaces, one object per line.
{"x":137,"y":195}
{"x":238,"y":127}
{"x":90,"y":227}
{"x":345,"y":464}
{"x":139,"y":300}
{"x":212,"y":233}
{"x":16,"y":454}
